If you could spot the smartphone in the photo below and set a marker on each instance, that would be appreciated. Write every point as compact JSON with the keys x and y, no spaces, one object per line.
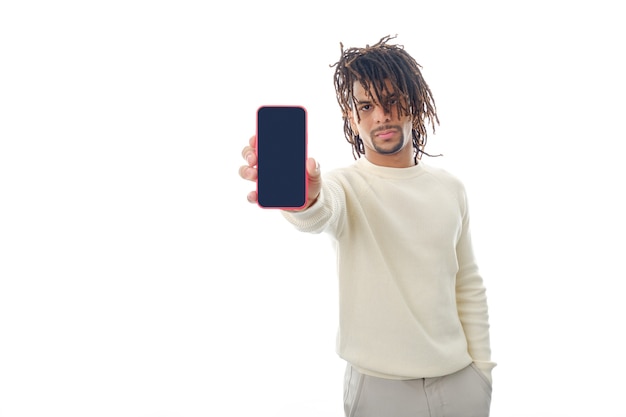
{"x":281,"y":141}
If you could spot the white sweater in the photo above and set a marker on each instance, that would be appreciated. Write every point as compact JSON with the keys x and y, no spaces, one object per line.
{"x":411,"y":300}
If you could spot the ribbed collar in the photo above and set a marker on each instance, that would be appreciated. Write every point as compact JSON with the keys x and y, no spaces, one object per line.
{"x":389,"y":172}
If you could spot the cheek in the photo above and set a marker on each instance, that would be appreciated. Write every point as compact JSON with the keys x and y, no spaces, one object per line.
{"x":360,"y":127}
{"x":355,"y":126}
{"x":367,"y":122}
{"x":408,"y":132}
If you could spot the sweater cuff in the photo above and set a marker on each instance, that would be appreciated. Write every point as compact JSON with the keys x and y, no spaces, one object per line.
{"x":309,"y":219}
{"x":486,"y":367}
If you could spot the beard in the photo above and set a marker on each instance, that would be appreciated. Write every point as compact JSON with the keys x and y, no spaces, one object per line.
{"x":388,"y":147}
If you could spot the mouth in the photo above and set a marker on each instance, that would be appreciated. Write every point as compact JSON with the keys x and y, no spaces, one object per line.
{"x":386,"y":133}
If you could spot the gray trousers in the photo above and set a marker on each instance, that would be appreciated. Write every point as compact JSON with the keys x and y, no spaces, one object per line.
{"x":466,"y":393}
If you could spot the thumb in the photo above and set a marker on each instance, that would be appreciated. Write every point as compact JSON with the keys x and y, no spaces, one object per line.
{"x":313,"y":169}
{"x":314,"y":181}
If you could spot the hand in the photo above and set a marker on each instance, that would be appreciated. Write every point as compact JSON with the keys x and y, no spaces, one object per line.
{"x":249,"y":172}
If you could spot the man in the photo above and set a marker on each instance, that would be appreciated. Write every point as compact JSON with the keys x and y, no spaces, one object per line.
{"x":413,"y":325}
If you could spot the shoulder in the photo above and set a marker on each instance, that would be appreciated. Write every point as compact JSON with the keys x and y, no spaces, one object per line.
{"x":449,"y":183}
{"x":444,"y":176}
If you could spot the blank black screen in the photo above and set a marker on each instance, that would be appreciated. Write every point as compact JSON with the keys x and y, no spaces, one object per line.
{"x":281,"y":149}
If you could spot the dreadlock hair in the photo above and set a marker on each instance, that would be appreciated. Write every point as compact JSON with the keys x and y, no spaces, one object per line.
{"x":372,"y":66}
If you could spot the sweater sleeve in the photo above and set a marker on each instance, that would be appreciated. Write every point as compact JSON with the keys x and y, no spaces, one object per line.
{"x":472,"y":302}
{"x":325,"y":215}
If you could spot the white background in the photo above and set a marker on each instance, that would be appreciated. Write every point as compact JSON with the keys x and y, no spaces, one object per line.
{"x":136,"y":280}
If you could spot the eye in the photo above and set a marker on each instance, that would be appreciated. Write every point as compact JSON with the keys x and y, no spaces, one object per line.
{"x":365,"y":107}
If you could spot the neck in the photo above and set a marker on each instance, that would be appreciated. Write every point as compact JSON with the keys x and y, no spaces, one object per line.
{"x":397,"y":160}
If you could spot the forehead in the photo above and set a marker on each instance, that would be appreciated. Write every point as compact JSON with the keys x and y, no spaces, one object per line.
{"x":361,"y":93}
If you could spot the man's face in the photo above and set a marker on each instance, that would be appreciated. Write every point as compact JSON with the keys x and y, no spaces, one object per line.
{"x":386,"y":135}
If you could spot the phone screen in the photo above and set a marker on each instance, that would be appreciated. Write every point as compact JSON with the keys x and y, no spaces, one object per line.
{"x":281,"y":152}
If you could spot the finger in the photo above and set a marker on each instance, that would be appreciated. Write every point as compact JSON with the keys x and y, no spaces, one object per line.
{"x":249,"y":154}
{"x":252,"y":197}
{"x":248,"y":173}
{"x":251,"y":158}
{"x":250,"y":148}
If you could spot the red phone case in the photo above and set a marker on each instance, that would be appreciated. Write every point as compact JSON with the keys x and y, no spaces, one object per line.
{"x":306,"y":185}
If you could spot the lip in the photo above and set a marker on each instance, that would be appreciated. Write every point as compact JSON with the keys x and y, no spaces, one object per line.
{"x":386,"y":134}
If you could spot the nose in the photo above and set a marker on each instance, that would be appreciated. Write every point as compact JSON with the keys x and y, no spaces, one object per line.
{"x":381,"y":116}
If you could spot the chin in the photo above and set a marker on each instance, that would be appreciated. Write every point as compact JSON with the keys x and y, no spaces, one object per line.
{"x":389,"y":150}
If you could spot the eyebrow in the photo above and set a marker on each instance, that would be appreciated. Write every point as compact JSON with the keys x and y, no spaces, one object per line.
{"x":370,"y":101}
